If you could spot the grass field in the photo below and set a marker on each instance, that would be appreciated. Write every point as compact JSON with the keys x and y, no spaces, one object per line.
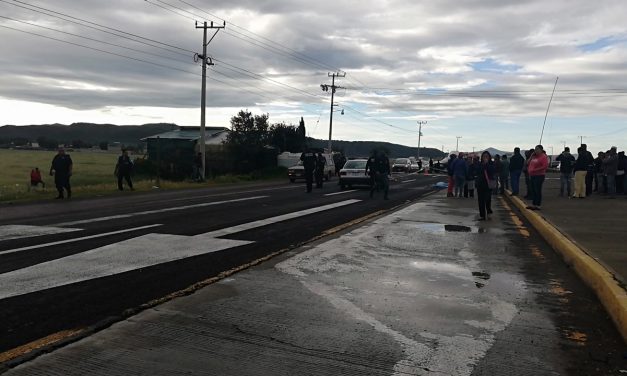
{"x":92,"y":175}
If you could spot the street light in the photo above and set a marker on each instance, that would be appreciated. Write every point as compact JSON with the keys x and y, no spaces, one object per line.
{"x":420,"y":123}
{"x":457,"y":147}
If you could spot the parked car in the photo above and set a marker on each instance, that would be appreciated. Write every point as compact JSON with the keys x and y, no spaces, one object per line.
{"x":354,"y":173}
{"x":298,"y":171}
{"x":401,"y":165}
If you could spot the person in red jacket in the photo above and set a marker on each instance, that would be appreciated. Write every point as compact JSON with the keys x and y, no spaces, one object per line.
{"x":537,"y":166}
{"x":35,"y":178}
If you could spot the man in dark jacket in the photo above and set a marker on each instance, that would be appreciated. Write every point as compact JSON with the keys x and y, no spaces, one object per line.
{"x":123,"y":170}
{"x":451,"y":179}
{"x":309,"y":164}
{"x":321,"y":161}
{"x":61,"y":169}
{"x":589,"y":159}
{"x":566,"y":170}
{"x":516,"y":163}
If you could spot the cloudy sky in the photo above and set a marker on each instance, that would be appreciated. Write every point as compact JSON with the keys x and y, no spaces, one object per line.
{"x":482,"y":70}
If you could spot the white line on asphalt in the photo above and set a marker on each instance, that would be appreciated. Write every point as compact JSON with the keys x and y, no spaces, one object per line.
{"x":76,"y":239}
{"x":9,"y":232}
{"x":279,"y":218}
{"x":408,"y":181}
{"x":129,"y":215}
{"x":340,"y":193}
{"x":233,"y":193}
{"x":132,"y":254}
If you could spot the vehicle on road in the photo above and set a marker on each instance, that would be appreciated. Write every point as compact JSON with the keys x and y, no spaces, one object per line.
{"x":298,"y":171}
{"x":401,"y":165}
{"x":354,"y":173}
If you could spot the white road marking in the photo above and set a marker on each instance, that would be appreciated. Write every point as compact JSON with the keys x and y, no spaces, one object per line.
{"x":156,"y":211}
{"x":76,"y":239}
{"x":408,"y":181}
{"x":137,"y":253}
{"x":340,"y":193}
{"x":23,"y":231}
{"x":233,"y":193}
{"x":279,"y":218}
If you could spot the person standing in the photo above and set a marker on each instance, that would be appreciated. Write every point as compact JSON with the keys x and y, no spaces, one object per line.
{"x":497,"y":167}
{"x":599,"y":177}
{"x":321,"y":162}
{"x":528,"y":155}
{"x":610,"y":164}
{"x":504,"y":174}
{"x":451,"y":179}
{"x":430,"y":165}
{"x":123,"y":170}
{"x":309,"y":164}
{"x":589,"y":160}
{"x":620,"y":173}
{"x":61,"y":169}
{"x":538,"y":164}
{"x":197,"y":167}
{"x":516,"y":164}
{"x":486,"y":179}
{"x":459,"y":174}
{"x":567,"y":161}
{"x":474,"y":168}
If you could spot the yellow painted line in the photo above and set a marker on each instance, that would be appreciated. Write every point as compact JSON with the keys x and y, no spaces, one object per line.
{"x":38,"y":344}
{"x":611,"y":294}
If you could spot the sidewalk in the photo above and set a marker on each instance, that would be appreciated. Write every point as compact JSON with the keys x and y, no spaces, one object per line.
{"x":597,"y":224}
{"x":426,"y":290}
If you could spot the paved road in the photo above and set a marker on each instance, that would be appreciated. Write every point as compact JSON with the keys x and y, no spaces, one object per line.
{"x":424,"y":290}
{"x":67,"y":265}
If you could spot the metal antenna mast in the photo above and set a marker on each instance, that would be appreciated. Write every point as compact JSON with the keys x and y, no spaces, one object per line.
{"x":547,"y":109}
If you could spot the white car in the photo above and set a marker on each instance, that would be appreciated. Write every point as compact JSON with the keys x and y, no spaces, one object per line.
{"x":298,"y":171}
{"x":354,"y":173}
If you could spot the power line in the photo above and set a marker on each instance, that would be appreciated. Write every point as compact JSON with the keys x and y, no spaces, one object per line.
{"x":99,"y":27}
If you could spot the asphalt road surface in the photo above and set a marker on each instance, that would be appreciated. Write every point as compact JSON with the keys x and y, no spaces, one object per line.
{"x":66,"y":265}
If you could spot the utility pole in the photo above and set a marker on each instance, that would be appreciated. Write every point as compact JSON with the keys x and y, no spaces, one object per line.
{"x":420,"y":123}
{"x":564,"y":142}
{"x":333,"y":88}
{"x":206,"y":60}
{"x":457,"y":147}
{"x":581,"y":140}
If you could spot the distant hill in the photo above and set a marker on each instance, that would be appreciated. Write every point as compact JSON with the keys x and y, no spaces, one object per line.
{"x":87,"y":132}
{"x":363,"y":148}
{"x":131,"y":134}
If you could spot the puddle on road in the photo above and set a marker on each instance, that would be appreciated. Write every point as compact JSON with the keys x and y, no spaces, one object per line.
{"x":439,"y":228}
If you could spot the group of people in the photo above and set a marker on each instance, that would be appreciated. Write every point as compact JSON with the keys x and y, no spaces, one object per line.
{"x":378,"y":168}
{"x":314,"y":167}
{"x":62,"y":167}
{"x":490,"y":175}
{"x":604,"y":174}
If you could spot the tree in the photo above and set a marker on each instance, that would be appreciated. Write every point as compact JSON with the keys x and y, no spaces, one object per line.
{"x":285,"y":138}
{"x":247,"y":140}
{"x":302,"y":134}
{"x":47,"y":143}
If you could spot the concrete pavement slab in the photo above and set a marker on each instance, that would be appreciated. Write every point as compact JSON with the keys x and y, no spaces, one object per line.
{"x":426,"y":290}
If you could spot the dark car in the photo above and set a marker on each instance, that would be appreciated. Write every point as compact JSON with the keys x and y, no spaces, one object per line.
{"x":401,"y":165}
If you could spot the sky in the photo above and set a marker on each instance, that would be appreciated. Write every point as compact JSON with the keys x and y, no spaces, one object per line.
{"x":479,"y":72}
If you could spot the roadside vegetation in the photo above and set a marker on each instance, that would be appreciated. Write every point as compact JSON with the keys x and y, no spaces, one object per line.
{"x":93,"y":176}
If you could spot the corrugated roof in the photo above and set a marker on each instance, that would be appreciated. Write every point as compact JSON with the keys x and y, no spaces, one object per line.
{"x":188,"y":133}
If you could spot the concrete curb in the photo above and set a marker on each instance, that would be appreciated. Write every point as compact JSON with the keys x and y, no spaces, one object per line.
{"x":609,"y":291}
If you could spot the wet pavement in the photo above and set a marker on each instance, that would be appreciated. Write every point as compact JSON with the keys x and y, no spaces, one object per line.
{"x":426,"y":290}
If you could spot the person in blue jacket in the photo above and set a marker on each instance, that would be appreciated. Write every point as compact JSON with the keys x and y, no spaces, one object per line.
{"x":460,"y":171}
{"x":485,"y":182}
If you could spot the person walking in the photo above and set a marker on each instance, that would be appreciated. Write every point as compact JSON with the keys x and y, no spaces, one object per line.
{"x":321,"y":162}
{"x":567,"y":162}
{"x":61,"y":168}
{"x":382,"y":171}
{"x":485,"y":182}
{"x":123,"y":170}
{"x":308,"y":158}
{"x":538,"y":164}
{"x":35,"y":179}
{"x":516,"y":163}
{"x":459,"y":174}
{"x":504,"y":174}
